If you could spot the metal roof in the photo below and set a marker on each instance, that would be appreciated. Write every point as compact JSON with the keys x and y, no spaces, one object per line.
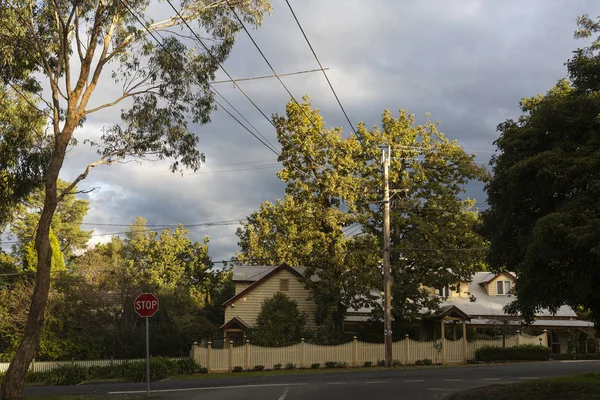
{"x":253,"y":273}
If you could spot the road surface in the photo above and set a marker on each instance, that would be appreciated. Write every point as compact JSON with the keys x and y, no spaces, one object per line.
{"x":413,"y":383}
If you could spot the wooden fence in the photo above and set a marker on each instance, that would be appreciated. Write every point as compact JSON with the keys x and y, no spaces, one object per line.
{"x":355,"y":353}
{"x":45,"y":366}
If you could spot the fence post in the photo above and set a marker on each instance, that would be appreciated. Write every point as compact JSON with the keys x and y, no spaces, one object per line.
{"x":465,"y":343}
{"x":355,"y":351}
{"x":518,"y":337}
{"x":406,"y":350}
{"x":230,"y":356}
{"x":302,"y":353}
{"x":443,"y":341}
{"x":32,"y":365}
{"x":546,"y":337}
{"x":208,"y":356}
{"x":247,"y":366}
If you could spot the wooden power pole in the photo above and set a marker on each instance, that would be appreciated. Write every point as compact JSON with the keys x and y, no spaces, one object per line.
{"x":387,"y":275}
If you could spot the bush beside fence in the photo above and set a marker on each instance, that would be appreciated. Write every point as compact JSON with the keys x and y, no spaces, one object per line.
{"x":526,"y":352}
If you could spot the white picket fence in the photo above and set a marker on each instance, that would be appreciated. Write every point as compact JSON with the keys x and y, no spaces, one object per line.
{"x":354,"y":353}
{"x":44,"y":366}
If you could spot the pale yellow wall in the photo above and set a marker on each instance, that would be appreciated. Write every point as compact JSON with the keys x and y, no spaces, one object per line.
{"x":492,"y":287}
{"x":241,"y":286}
{"x":248,"y":307}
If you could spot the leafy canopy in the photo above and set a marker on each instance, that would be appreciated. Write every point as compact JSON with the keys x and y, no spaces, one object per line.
{"x":544,"y":217}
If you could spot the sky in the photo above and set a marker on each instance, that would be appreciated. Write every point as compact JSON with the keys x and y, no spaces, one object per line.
{"x":467,"y":62}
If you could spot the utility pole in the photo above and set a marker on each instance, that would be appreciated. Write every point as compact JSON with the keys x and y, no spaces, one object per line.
{"x":387,"y":275}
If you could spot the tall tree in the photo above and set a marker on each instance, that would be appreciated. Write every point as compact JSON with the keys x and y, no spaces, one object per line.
{"x":72,"y":45}
{"x":332,"y":184}
{"x":543,"y":222}
{"x":279,"y":323}
{"x":434,"y":239}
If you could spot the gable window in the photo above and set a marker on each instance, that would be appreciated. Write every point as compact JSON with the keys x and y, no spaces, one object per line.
{"x":284,"y":285}
{"x":444,"y":291}
{"x":503,"y":287}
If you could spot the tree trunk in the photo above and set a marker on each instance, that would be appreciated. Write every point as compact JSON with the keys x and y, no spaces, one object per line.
{"x":14,"y":381}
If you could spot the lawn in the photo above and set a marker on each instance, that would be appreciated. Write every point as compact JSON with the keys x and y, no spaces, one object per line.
{"x":576,"y":387}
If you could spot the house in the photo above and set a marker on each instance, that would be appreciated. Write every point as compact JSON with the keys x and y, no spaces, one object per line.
{"x":253,"y":285}
{"x":479,"y":303}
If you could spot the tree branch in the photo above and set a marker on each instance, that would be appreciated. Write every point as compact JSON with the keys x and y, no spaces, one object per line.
{"x":117,"y":101}
{"x":106,"y":160}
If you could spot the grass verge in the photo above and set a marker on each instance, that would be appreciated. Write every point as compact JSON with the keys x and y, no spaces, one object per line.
{"x":92,"y":397}
{"x":580,"y":387}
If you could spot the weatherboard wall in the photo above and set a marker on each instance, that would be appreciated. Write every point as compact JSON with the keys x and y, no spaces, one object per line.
{"x":248,"y":307}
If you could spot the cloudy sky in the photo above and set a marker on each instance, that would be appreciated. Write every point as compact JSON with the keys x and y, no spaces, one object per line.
{"x":467,"y":62}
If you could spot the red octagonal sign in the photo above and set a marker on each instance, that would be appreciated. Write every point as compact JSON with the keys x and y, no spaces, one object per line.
{"x":146,"y":305}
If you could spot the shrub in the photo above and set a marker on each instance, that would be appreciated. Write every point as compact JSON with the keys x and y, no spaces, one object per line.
{"x":419,"y":362}
{"x":2,"y":377}
{"x":330,"y":364}
{"x":519,"y":353}
{"x":238,"y":368}
{"x":203,"y":370}
{"x":396,"y":363}
{"x":368,"y":364}
{"x":160,"y":368}
{"x":427,"y":361}
{"x":341,"y":364}
{"x":277,"y":367}
{"x":290,"y":366}
{"x":381,"y":363}
{"x":315,"y":366}
{"x":259,"y":367}
{"x":66,"y":374}
{"x":186,"y":366}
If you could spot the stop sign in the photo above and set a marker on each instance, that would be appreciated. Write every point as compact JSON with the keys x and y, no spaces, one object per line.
{"x":146,"y":305}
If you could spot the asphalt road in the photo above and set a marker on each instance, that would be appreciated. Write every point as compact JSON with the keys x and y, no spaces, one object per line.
{"x":414,"y":383}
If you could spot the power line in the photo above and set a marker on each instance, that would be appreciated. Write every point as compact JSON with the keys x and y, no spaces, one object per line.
{"x":322,"y":69}
{"x":267,"y":76}
{"x":270,"y":147}
{"x":273,"y":70}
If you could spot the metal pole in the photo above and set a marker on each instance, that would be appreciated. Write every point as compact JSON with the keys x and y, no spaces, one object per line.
{"x":387,"y":276}
{"x":148,"y":356}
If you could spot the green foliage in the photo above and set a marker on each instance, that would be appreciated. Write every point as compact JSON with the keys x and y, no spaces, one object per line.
{"x":368,"y":364}
{"x":238,"y":368}
{"x":315,"y":365}
{"x":160,"y":368}
{"x":419,"y":362}
{"x":517,"y":353}
{"x":331,"y":183}
{"x":427,"y":361}
{"x":65,"y":227}
{"x":30,"y":256}
{"x":279,"y":323}
{"x":331,"y":364}
{"x":259,"y":367}
{"x":277,"y":367}
{"x":23,"y":156}
{"x":543,"y":222}
{"x":66,"y":374}
{"x":187,"y":366}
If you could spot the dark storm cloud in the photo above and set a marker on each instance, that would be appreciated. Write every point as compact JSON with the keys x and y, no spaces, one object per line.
{"x":467,"y":62}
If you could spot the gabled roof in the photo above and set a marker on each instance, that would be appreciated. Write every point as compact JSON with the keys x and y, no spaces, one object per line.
{"x":452,"y":311}
{"x":491,"y":276}
{"x":253,"y":273}
{"x":272,"y":271}
{"x":235,"y":322}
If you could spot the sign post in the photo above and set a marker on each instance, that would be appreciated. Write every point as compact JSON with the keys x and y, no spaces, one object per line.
{"x":146,"y":305}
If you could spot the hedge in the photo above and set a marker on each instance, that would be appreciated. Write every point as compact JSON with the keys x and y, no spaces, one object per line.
{"x":71,"y":374}
{"x":518,"y":353}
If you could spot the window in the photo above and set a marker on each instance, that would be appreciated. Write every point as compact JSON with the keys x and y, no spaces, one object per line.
{"x":284,"y":285}
{"x":444,"y":291}
{"x":503,"y":287}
